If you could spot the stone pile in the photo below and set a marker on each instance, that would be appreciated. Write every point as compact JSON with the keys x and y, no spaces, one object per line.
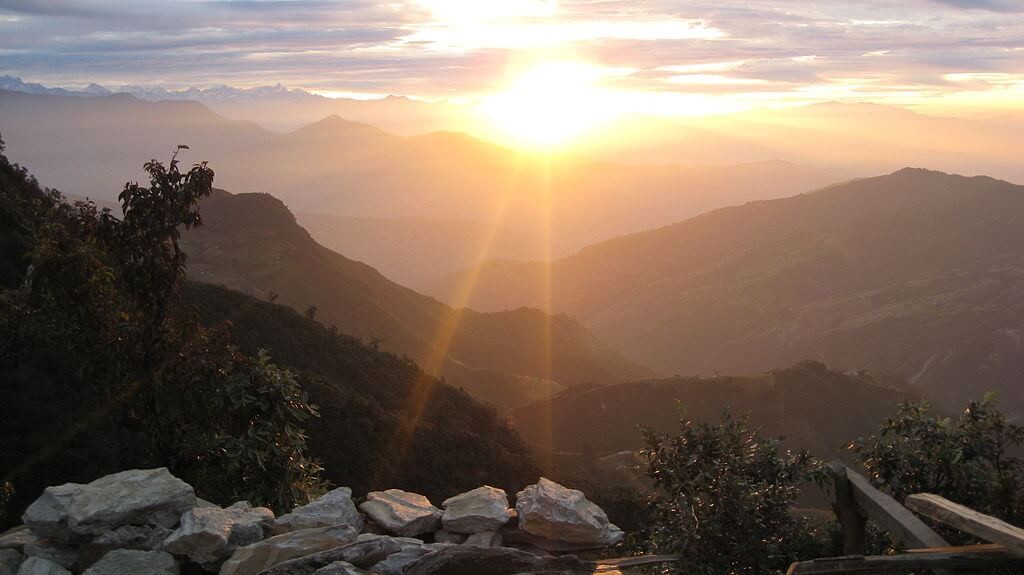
{"x":148,"y":522}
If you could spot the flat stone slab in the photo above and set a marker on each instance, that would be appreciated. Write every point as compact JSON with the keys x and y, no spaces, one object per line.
{"x":74,"y":511}
{"x":333,"y":508}
{"x":482,"y":509}
{"x":557,"y":513}
{"x":401,"y":512}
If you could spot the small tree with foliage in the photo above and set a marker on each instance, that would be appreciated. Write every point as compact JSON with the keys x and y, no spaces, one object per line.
{"x":966,"y":460}
{"x":103,"y":368}
{"x":725,"y":498}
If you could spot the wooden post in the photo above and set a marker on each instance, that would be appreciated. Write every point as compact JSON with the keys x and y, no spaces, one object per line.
{"x":852,"y":521}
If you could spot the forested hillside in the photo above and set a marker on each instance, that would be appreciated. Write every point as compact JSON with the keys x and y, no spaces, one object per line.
{"x":916,"y":274}
{"x":251,"y":242}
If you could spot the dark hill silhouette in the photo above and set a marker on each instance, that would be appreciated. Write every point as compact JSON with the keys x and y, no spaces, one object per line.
{"x":917,"y":273}
{"x":251,"y":242}
{"x":814,"y":408}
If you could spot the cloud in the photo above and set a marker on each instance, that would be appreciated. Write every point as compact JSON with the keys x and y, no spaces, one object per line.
{"x":432,"y":48}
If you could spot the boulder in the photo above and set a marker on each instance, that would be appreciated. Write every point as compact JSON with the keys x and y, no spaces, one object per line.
{"x":513,"y":537}
{"x":59,"y":553}
{"x":396,"y":563}
{"x":401,"y":512}
{"x":39,"y":566}
{"x":73,"y":511}
{"x":211,"y":534}
{"x":333,"y":508}
{"x":467,"y":560}
{"x":265,"y":554}
{"x":139,"y":537}
{"x":16,"y":538}
{"x":482,"y":509}
{"x":445,"y":536}
{"x":366,"y":551}
{"x":339,"y":568}
{"x":555,"y":512}
{"x":484,"y":539}
{"x":10,"y":560}
{"x":134,"y":561}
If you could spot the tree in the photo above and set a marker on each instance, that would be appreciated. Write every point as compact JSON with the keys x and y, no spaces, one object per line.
{"x":725,"y":498}
{"x":966,"y":460}
{"x":103,"y":368}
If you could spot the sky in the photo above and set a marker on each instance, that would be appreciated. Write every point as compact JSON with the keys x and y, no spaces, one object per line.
{"x":664,"y":56}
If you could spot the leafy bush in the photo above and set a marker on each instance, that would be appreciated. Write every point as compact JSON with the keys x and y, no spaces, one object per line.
{"x":966,"y":460}
{"x":725,"y":499}
{"x":104,"y":369}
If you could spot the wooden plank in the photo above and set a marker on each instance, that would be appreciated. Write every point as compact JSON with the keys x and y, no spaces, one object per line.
{"x":980,"y":548}
{"x":969,"y":521}
{"x":981,"y":560}
{"x":851,"y":519}
{"x":895,"y":518}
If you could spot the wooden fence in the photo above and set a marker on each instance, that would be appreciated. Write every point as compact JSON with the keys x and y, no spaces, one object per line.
{"x":857,"y":502}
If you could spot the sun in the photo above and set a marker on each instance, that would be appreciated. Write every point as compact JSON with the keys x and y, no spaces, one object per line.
{"x":550,"y":105}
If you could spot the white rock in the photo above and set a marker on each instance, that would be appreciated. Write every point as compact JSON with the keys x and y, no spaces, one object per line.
{"x":140,"y":537}
{"x":445,"y":536}
{"x":482,"y":509}
{"x":552,"y":511}
{"x":10,"y":560}
{"x":135,"y":497}
{"x":38,"y":566}
{"x":333,"y":508}
{"x":484,"y":539}
{"x":16,"y":538}
{"x":210,"y":534}
{"x":265,"y":554}
{"x":401,"y":512}
{"x":63,"y":555}
{"x":396,"y":563}
{"x":134,"y":561}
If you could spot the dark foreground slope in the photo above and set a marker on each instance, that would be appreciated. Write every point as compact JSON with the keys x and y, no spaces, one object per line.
{"x":367,"y":399}
{"x":814,"y":408}
{"x":916,"y":273}
{"x":251,"y":242}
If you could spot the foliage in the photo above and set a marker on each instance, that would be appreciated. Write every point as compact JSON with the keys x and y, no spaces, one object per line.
{"x":725,"y":498}
{"x":104,"y":369}
{"x":966,"y":460}
{"x":363,"y":395}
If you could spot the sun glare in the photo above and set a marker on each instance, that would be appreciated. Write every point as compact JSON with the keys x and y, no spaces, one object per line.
{"x":550,"y":105}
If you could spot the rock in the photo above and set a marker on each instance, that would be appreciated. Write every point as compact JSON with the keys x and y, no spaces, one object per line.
{"x":73,"y":511}
{"x":467,"y":560}
{"x":396,"y":563}
{"x":333,"y":508}
{"x":39,"y":566}
{"x":401,"y":512}
{"x":265,"y":554}
{"x":139,"y":537}
{"x":16,"y":538}
{"x":134,"y":561}
{"x":482,"y":509}
{"x":558,"y":513}
{"x":445,"y":536}
{"x":63,"y":555}
{"x":10,"y":560}
{"x":484,"y":539}
{"x":211,"y":534}
{"x":366,"y":551}
{"x":339,"y":568}
{"x":519,"y":539}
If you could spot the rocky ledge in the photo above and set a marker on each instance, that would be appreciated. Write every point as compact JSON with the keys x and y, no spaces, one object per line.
{"x":148,"y":522}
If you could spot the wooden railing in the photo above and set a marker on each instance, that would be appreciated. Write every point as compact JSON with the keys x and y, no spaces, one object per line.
{"x":857,"y":502}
